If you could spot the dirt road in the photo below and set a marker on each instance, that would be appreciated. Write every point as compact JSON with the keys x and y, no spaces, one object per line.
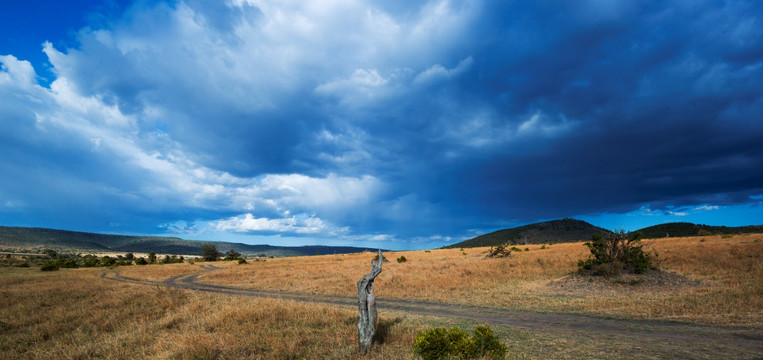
{"x":751,"y":340}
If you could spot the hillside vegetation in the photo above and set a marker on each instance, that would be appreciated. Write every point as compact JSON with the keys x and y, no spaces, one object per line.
{"x":35,"y":239}
{"x":555,"y":231}
{"x":680,"y":229}
{"x":573,"y":230}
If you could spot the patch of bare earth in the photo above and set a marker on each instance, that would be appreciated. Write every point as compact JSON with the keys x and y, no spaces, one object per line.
{"x":653,"y":281}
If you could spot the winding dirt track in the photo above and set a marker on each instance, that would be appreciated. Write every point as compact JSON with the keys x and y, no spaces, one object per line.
{"x":751,"y":339}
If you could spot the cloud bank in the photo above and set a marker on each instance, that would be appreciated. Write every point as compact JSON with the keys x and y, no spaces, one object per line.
{"x":356,"y":120}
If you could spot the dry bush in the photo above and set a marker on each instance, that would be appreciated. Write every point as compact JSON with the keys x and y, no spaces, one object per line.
{"x":499,"y":251}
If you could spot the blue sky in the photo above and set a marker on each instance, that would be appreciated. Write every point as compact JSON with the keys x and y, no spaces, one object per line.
{"x":388,"y":124}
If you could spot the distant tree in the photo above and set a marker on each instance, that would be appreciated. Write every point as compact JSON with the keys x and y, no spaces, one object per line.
{"x":232,"y":255}
{"x":171,"y":259}
{"x":141,"y":261}
{"x":50,"y":253}
{"x":50,"y":266}
{"x":151,"y":257}
{"x":130,"y":256}
{"x":107,"y":260}
{"x":209,"y":252}
{"x":90,"y":261}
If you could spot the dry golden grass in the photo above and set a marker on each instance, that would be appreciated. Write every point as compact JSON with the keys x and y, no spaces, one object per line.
{"x":158,"y":272}
{"x":74,"y":314}
{"x":711,"y":279}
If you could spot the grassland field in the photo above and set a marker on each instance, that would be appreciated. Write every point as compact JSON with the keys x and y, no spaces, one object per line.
{"x":714,"y":282}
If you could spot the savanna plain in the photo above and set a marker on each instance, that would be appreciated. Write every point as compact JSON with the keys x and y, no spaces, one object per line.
{"x":709,"y":284}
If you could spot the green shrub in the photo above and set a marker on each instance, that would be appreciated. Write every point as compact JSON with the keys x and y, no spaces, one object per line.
{"x":384,"y":258}
{"x":486,"y":344}
{"x":232,"y":255}
{"x":108,"y":261}
{"x":90,"y":262}
{"x":172,"y":259}
{"x":401,"y":259}
{"x":50,"y":266}
{"x":241,"y":261}
{"x":68,"y":263}
{"x":23,"y":265}
{"x":141,"y":261}
{"x":616,"y":253}
{"x":445,"y":343}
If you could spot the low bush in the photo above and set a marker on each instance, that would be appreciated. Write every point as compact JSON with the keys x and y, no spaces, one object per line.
{"x":376,"y":258}
{"x":172,"y":259}
{"x":616,"y":253}
{"x":68,"y":263}
{"x":241,"y":261}
{"x":499,"y":251}
{"x":401,"y":259}
{"x":108,"y":261}
{"x":446,"y":343}
{"x":91,"y":262}
{"x":232,"y":255}
{"x":50,"y":266}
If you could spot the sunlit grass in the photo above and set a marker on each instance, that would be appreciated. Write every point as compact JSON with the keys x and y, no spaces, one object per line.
{"x":77,"y":314}
{"x":713,"y":279}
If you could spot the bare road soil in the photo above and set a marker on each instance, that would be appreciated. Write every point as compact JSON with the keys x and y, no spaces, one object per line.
{"x":749,"y":341}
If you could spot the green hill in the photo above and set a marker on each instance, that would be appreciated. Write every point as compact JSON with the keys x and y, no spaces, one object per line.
{"x":678,"y":229}
{"x":31,"y":239}
{"x":554,"y":231}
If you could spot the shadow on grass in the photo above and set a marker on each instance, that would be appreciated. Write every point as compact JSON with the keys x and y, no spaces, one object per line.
{"x":383,"y":328}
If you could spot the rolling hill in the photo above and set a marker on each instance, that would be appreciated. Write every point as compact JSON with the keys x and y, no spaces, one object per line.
{"x":677,"y":229}
{"x":15,"y":238}
{"x":572,"y":230}
{"x":554,"y":231}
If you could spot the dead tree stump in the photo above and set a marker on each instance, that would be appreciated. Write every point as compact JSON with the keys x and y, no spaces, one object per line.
{"x":367,"y":315}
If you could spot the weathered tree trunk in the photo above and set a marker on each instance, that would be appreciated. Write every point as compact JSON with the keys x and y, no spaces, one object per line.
{"x":367,"y":315}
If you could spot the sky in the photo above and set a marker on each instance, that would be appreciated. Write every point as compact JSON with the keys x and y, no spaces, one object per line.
{"x":389,"y":124}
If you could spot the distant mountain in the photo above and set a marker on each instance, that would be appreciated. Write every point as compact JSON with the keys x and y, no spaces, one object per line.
{"x":554,"y":231}
{"x":12,"y":238}
{"x":677,"y":229}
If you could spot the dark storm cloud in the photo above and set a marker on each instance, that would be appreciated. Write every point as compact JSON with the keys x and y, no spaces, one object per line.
{"x":394,"y":122}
